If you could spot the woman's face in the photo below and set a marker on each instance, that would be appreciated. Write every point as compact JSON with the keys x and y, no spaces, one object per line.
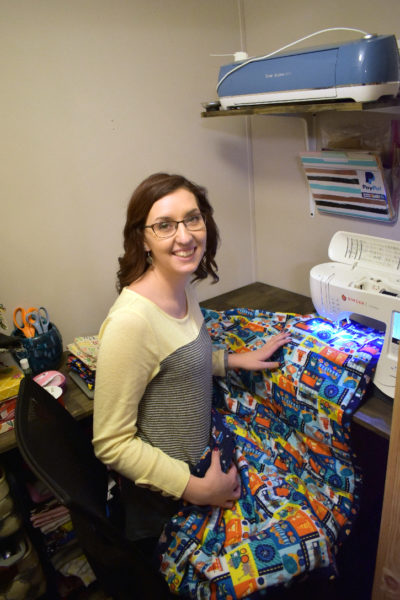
{"x":180,"y":254}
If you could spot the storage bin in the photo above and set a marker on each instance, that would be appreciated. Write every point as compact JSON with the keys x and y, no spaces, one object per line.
{"x":44,"y":352}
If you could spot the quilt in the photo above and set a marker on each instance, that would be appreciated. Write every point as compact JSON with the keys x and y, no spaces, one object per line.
{"x":288,"y":431}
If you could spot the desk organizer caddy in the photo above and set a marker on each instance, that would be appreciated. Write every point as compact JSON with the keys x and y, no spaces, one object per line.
{"x":44,"y":352}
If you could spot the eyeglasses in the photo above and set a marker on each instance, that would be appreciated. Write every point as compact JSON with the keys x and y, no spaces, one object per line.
{"x":166,"y":229}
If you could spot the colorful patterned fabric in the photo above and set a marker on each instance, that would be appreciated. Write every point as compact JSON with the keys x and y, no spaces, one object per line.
{"x":86,"y":348}
{"x":79,"y":367}
{"x":288,"y":432}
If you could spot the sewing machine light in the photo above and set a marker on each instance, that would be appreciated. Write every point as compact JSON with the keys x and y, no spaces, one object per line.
{"x":325,"y":330}
{"x":347,"y":338}
{"x":363,"y":285}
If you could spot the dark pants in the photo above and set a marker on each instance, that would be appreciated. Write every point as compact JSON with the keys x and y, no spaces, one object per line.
{"x":146,"y":512}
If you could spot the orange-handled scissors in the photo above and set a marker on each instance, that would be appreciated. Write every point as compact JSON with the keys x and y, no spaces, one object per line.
{"x":21,"y":322}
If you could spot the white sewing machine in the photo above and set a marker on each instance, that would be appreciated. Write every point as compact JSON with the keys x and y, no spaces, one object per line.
{"x":363,"y":284}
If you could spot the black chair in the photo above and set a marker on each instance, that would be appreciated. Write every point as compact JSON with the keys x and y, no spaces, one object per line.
{"x":59,"y":452}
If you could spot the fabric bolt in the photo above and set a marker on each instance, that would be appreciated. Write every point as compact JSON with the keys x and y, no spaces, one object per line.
{"x":86,"y":349}
{"x":49,"y":516}
{"x":54,"y":522}
{"x":78,"y":567}
{"x":288,"y":431}
{"x":84,"y":372}
{"x":69,"y":560}
{"x":59,"y":538}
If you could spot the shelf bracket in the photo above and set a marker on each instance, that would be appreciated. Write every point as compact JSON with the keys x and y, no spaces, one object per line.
{"x":310,"y":134}
{"x":309,"y":121}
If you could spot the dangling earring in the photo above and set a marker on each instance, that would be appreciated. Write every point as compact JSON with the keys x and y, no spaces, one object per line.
{"x":149,"y":258}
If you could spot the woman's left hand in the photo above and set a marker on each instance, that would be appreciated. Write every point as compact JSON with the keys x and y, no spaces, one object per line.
{"x":257,"y":360}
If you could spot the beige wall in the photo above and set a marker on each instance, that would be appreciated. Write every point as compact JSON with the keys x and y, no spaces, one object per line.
{"x":289,"y":241}
{"x":96,"y":95}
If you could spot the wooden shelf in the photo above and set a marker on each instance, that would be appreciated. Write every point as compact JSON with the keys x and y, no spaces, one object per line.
{"x":376,"y":413}
{"x":302,"y":108}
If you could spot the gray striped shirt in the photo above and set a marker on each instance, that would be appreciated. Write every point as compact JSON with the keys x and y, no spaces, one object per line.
{"x":175,"y":411}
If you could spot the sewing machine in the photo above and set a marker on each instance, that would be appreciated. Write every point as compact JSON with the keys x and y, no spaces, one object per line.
{"x":363,"y":284}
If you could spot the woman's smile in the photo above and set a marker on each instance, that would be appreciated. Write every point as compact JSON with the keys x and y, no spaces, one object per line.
{"x":188,"y":253}
{"x":180,"y":253}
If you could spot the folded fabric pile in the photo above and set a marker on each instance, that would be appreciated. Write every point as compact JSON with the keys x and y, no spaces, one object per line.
{"x":82,"y":360}
{"x":288,"y":431}
{"x":60,"y":542}
{"x":54,"y":522}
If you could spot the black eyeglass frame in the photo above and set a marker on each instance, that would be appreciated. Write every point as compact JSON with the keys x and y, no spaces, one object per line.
{"x":176,"y":223}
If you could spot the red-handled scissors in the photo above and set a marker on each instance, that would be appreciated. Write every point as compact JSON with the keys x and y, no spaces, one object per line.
{"x":21,"y":322}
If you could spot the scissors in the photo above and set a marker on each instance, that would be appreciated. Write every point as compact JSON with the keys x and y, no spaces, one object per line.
{"x":38,"y":318}
{"x":21,"y":322}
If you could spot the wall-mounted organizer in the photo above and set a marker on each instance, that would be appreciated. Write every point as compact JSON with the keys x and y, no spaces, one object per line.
{"x":385,"y":140}
{"x":350,"y":184}
{"x":356,"y":171}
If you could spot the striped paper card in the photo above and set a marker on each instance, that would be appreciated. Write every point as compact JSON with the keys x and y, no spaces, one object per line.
{"x":348,"y":183}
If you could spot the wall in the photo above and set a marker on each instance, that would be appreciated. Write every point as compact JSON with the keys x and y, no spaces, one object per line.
{"x":96,"y":95}
{"x":288,"y":240}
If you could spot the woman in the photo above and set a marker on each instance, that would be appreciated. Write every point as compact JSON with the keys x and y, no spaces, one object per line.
{"x":152,"y":407}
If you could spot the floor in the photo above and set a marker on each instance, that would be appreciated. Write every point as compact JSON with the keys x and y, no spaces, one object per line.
{"x":356,"y":558}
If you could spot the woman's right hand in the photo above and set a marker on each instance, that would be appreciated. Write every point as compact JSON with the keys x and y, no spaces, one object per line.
{"x":216,"y":487}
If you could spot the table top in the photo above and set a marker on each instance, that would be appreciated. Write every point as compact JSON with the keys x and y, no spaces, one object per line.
{"x":77,"y":403}
{"x":375,"y":414}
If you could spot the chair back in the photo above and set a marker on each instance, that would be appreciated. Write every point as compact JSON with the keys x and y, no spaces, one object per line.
{"x":59,"y":452}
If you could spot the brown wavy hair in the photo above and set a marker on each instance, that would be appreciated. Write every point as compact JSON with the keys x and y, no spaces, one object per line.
{"x":133,"y":263}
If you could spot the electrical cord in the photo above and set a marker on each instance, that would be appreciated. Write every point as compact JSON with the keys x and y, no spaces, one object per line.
{"x":258,"y":58}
